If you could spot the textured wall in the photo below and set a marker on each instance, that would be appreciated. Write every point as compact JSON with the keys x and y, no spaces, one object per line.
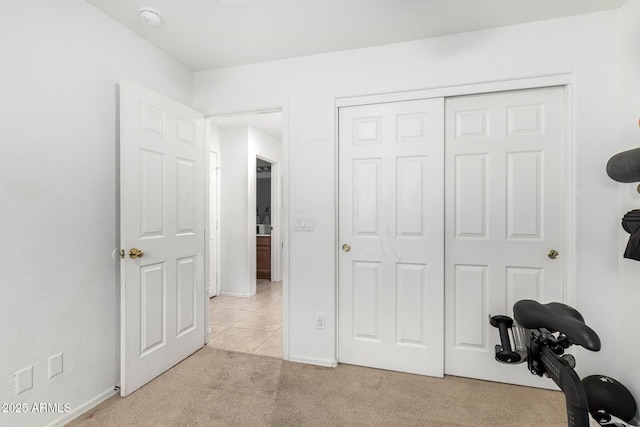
{"x":61,"y":65}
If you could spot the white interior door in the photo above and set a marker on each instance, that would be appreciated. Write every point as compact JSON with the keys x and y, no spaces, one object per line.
{"x":213,"y":224}
{"x":504,"y":210}
{"x":390,"y":216}
{"x":162,"y":188}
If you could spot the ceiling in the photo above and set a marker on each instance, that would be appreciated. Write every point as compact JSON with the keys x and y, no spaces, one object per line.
{"x":204,"y":34}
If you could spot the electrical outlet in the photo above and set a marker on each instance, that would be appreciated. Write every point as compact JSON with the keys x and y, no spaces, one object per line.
{"x":55,"y":365}
{"x":24,"y":380}
{"x":319,"y":320}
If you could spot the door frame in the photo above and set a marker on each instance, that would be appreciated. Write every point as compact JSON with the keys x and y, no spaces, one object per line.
{"x":569,"y":170}
{"x":208,"y":136}
{"x":216,"y":231}
{"x":283,"y":167}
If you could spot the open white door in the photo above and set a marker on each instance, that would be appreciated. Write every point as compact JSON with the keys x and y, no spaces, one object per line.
{"x":162,"y":189}
{"x":391,"y":226}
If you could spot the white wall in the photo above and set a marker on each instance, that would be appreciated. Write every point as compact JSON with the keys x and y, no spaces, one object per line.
{"x":234,"y":205}
{"x":629,"y":301}
{"x":61,"y":62}
{"x":586,"y":46}
{"x":239,"y":146}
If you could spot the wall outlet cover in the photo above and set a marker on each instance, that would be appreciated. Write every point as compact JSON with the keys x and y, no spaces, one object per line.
{"x":24,"y":380}
{"x":55,"y":365}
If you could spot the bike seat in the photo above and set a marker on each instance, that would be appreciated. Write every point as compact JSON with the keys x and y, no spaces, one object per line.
{"x":556,"y":317}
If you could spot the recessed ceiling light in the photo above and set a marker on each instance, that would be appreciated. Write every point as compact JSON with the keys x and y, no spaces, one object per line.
{"x":150,"y":16}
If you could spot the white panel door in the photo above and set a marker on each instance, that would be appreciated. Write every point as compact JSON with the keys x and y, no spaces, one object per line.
{"x":390,"y":215}
{"x":504,"y":212}
{"x":162,"y":188}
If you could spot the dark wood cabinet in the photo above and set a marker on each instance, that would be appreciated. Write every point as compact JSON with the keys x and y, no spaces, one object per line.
{"x":263,"y":255}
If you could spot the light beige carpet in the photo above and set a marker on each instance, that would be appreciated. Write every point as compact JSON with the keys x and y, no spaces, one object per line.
{"x":220,"y":388}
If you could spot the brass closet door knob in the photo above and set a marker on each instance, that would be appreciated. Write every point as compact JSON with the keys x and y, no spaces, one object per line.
{"x":346,"y":247}
{"x":135,"y":253}
{"x":553,"y":254}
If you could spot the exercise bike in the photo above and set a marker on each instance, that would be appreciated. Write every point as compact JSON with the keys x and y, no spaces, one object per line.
{"x":541,"y":333}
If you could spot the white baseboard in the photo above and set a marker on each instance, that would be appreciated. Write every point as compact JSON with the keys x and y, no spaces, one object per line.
{"x":329,"y":363}
{"x":76,"y":412}
{"x":236,"y":294}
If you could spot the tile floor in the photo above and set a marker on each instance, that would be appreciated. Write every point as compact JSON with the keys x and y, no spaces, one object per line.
{"x":249,"y":325}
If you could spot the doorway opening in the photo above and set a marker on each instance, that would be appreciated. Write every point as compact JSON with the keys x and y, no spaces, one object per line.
{"x":246,"y":309}
{"x":265,"y":257}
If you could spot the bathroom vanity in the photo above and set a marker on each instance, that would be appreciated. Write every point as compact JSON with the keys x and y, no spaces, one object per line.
{"x":263,"y":255}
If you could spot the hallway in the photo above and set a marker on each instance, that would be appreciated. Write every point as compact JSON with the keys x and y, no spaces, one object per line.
{"x":248,"y":325}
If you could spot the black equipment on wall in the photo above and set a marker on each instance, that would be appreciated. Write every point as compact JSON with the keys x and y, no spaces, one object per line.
{"x":625,"y":166}
{"x":631,"y":224}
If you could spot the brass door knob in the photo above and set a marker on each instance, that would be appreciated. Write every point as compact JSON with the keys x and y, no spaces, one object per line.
{"x":553,"y":254}
{"x":135,"y":253}
{"x":346,"y":247}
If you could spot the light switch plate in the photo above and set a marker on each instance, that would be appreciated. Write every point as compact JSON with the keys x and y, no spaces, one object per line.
{"x":303,"y":223}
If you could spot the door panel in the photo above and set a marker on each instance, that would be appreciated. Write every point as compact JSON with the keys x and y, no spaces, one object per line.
{"x":186,"y":295}
{"x":162,"y":213}
{"x":504,"y":213}
{"x":391,"y":216}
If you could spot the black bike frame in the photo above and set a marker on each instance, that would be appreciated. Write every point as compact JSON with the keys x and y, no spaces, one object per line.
{"x":566,"y":378}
